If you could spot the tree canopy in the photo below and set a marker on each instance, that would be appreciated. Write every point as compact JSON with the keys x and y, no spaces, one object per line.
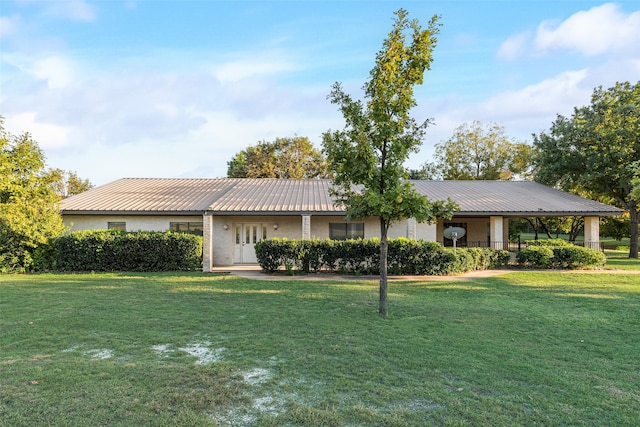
{"x":67,"y":183}
{"x":477,"y":151}
{"x":29,"y":213}
{"x":367,"y":157}
{"x":597,"y":150}
{"x":294,"y":158}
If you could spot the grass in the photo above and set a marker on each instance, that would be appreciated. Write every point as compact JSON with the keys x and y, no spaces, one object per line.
{"x":609,"y":242}
{"x":620,"y":260}
{"x":525,"y":348}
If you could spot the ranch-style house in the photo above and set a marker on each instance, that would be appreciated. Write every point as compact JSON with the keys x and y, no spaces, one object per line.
{"x":232,"y":214}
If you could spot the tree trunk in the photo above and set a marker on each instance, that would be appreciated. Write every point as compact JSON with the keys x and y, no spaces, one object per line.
{"x":576,"y":224}
{"x":544,"y":228}
{"x":384,"y":246}
{"x":633,"y":243}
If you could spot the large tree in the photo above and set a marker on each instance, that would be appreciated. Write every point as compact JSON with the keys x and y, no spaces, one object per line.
{"x":635,"y":181}
{"x":479,"y":151}
{"x":367,"y":157}
{"x":68,"y":183}
{"x":283,"y":158}
{"x":29,"y":213}
{"x":597,"y":150}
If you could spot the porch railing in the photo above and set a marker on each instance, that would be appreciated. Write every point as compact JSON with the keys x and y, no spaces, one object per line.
{"x":514,"y":246}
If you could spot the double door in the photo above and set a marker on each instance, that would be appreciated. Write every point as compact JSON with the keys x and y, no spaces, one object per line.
{"x":246,"y":237}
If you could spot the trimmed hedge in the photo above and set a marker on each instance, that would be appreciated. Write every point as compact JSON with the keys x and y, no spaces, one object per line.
{"x":405,"y":257}
{"x":110,"y":250}
{"x":558,"y":253}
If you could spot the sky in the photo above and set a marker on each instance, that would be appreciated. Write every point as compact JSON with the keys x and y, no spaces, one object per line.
{"x":160,"y":88}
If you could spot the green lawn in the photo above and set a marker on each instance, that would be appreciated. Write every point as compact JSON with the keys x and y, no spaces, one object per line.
{"x":525,"y":348}
{"x":619,"y":260}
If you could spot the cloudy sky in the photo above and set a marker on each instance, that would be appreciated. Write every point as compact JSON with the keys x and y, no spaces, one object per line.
{"x":161,"y":88}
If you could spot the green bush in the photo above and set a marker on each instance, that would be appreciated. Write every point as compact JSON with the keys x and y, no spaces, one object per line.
{"x":109,"y":250}
{"x":558,"y":253}
{"x":555,"y":243}
{"x":362,"y":256}
{"x":535,"y":256}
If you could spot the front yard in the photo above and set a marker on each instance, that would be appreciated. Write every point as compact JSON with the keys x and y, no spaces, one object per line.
{"x":524,"y":348}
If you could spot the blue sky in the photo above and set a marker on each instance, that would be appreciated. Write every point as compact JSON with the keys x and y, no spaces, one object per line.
{"x":160,"y":88}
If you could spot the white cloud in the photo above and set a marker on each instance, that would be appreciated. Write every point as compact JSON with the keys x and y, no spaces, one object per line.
{"x":9,"y":25}
{"x":599,"y":30}
{"x":75,"y":10}
{"x":550,"y":96}
{"x":236,"y":71}
{"x":514,"y":46}
{"x":593,"y":32}
{"x":47,"y":135}
{"x":57,"y":71}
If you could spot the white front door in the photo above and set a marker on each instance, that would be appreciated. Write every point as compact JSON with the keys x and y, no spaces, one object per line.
{"x":246,"y":236}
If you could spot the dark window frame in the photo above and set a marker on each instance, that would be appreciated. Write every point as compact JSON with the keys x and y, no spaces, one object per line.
{"x":462,"y":241}
{"x":190,"y":227}
{"x":346,"y":230}
{"x":117,"y":225}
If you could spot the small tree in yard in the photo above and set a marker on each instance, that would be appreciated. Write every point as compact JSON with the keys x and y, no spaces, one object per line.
{"x":29,"y":213}
{"x":367,"y":157}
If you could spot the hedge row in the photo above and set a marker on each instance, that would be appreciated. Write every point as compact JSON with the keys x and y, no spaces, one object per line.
{"x":558,"y":253}
{"x":110,"y":250}
{"x":405,"y":256}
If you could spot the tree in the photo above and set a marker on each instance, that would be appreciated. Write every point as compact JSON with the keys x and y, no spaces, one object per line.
{"x":477,"y":151}
{"x":597,"y":150}
{"x":283,"y":158}
{"x":29,"y":213}
{"x":68,"y":183}
{"x":635,"y":181}
{"x":367,"y":157}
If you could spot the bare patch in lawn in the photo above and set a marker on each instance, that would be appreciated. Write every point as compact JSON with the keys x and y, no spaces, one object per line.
{"x":257,"y":376}
{"x":202,"y":352}
{"x":162,"y":349}
{"x":99,"y":353}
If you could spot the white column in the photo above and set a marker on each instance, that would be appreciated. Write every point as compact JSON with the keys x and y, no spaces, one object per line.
{"x":592,"y":232}
{"x":496,"y":231}
{"x":411,"y":228}
{"x":207,"y":242}
{"x":306,"y":227}
{"x":505,"y":231}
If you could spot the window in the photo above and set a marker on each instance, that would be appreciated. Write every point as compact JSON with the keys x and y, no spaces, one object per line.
{"x":121,"y":226}
{"x":186,"y":227}
{"x":346,"y":230}
{"x":461,"y":241}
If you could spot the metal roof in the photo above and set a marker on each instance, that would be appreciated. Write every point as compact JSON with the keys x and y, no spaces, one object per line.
{"x":291,"y":196}
{"x":148,"y":195}
{"x":277,"y":196}
{"x":512,"y":198}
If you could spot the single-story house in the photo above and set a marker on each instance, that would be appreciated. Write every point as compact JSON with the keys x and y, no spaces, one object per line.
{"x":232,"y":214}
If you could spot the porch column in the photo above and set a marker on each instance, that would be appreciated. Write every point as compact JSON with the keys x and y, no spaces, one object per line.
{"x":411,"y":228}
{"x":505,"y":233}
{"x":306,"y":227}
{"x":592,"y":232}
{"x":207,"y":242}
{"x":496,"y":231}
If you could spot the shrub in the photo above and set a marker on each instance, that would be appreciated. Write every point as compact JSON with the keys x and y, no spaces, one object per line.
{"x":558,"y":253}
{"x":535,"y":256}
{"x":556,"y":243}
{"x":109,"y":250}
{"x":362,"y":256}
